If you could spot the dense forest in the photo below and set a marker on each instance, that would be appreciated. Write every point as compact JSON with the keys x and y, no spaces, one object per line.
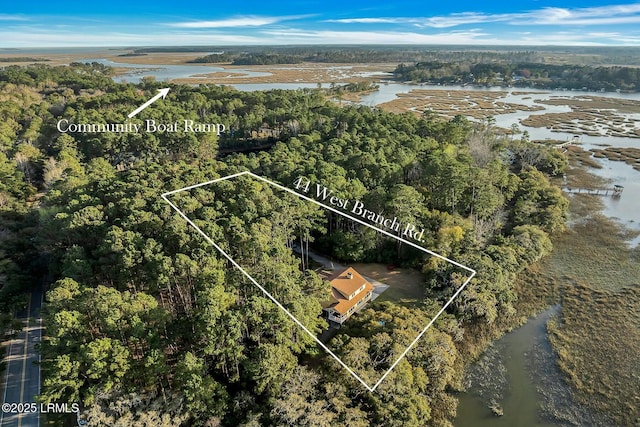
{"x":576,"y":55}
{"x":146,"y":324}
{"x":551,"y":68}
{"x":480,"y":67}
{"x":252,"y":55}
{"x":523,"y":75}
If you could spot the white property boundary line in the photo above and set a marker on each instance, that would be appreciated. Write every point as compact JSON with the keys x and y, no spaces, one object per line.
{"x":190,"y":222}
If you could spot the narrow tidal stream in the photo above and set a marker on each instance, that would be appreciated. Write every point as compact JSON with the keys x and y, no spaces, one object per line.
{"x":518,"y":374}
{"x":503,"y":376}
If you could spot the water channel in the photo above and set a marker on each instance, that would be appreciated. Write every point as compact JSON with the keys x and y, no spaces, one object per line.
{"x":165,"y":72}
{"x":518,"y":374}
{"x":501,"y":378}
{"x":519,"y":371}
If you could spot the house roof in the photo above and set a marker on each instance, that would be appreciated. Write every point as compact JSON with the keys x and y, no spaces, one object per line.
{"x":345,"y":285}
{"x":344,"y":304}
{"x":342,"y":286}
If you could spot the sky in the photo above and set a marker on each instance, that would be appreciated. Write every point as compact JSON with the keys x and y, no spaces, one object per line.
{"x":77,"y":23}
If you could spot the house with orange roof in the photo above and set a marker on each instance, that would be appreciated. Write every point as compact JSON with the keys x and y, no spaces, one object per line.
{"x":349,"y":292}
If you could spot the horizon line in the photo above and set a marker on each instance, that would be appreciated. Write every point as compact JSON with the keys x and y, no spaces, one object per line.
{"x":342,"y":45}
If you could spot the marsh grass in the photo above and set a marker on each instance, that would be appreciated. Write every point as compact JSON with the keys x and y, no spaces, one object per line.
{"x":448,"y":103}
{"x":537,"y":290}
{"x":582,"y":157}
{"x":596,"y":277}
{"x":324,"y":73}
{"x":597,"y":340}
{"x":594,"y":251}
{"x":597,"y":103}
{"x":578,"y":176}
{"x":629,"y":155}
{"x":589,"y":115}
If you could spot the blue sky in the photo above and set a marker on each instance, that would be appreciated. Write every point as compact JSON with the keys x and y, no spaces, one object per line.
{"x":144,"y":23}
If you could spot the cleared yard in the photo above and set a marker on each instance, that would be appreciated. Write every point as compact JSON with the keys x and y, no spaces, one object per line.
{"x":405,"y":285}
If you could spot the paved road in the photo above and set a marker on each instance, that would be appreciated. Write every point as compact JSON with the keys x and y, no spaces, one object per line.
{"x":23,"y":371}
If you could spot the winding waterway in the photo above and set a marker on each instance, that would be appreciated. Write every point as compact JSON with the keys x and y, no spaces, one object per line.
{"x":626,"y":208}
{"x":518,"y":374}
{"x":165,"y":72}
{"x":523,"y":96}
{"x":502,"y":377}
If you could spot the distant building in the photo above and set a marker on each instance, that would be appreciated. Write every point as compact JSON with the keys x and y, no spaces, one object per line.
{"x":349,"y":292}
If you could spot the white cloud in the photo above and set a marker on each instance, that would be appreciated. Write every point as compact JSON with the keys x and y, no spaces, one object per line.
{"x":42,"y":38}
{"x":465,"y":18}
{"x":466,"y":37}
{"x":261,"y":30}
{"x":603,"y":34}
{"x":628,"y":40}
{"x":380,"y":37}
{"x":5,"y":17}
{"x":48,"y":38}
{"x":239,"y":21}
{"x":369,"y":20}
{"x":434,"y":22}
{"x":556,"y":13}
{"x":601,"y":15}
{"x":560,"y":38}
{"x":62,"y":39}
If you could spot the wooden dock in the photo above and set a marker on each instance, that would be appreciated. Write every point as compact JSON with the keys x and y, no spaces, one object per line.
{"x":574,"y":141}
{"x":565,"y":144}
{"x":615,"y":191}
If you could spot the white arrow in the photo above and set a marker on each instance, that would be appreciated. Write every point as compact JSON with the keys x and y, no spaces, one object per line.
{"x":161,"y":93}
